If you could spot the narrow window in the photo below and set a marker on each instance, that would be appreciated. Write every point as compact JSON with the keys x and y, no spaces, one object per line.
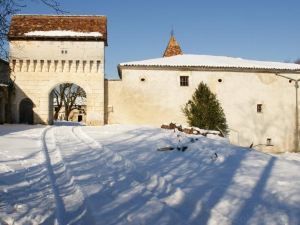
{"x":64,"y":51}
{"x":184,"y":81}
{"x":259,"y":108}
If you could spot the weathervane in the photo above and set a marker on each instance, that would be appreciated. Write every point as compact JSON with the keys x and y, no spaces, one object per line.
{"x":172,"y":31}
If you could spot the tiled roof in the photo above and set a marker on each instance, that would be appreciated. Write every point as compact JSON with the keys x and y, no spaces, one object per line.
{"x":173,"y":48}
{"x":23,"y":25}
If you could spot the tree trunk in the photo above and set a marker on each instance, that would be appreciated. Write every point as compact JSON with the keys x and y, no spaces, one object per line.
{"x":55,"y":115}
{"x":67,"y":113}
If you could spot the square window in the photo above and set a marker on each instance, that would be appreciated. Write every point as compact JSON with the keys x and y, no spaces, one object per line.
{"x":259,"y":108}
{"x":184,"y":81}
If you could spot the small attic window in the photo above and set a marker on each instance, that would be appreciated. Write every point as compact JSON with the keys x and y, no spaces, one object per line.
{"x":143,"y":79}
{"x":259,"y":108}
{"x":269,"y":142}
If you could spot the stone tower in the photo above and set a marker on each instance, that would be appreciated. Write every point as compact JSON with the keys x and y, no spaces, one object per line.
{"x":48,"y":50}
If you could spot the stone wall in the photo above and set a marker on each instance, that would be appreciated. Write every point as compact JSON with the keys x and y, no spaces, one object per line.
{"x":152,"y":96}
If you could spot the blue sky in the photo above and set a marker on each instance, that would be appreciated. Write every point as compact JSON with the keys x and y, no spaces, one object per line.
{"x":139,"y":29}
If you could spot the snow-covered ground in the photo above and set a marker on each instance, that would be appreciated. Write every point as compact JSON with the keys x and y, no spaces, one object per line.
{"x":115,"y":175}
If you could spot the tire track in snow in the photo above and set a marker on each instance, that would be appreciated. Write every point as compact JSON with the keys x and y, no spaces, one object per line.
{"x":174,"y":195}
{"x":66,"y":212}
{"x":59,"y":209}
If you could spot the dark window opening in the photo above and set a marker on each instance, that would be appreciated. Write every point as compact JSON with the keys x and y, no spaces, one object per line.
{"x":79,"y":118}
{"x":143,"y":79}
{"x":184,"y":81}
{"x":269,"y":142}
{"x":219,"y":80}
{"x":259,"y":108}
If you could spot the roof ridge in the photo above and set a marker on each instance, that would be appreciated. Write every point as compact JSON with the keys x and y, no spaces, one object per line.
{"x":211,"y":61}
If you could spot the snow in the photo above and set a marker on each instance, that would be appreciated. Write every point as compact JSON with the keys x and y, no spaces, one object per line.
{"x":187,"y":60}
{"x":63,"y":33}
{"x":114,"y":174}
{"x":288,"y":156}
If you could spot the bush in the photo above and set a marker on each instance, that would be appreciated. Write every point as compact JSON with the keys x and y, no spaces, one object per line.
{"x":204,"y":110}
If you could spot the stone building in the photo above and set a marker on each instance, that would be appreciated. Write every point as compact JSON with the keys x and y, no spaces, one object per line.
{"x":46,"y":51}
{"x":4,"y":93}
{"x":259,"y":103}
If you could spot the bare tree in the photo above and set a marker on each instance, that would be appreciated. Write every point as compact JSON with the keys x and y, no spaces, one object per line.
{"x":10,"y":7}
{"x":70,"y":96}
{"x":73,"y":99}
{"x":58,"y":96}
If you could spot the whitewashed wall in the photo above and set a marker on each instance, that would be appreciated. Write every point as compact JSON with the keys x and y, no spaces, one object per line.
{"x":38,"y":66}
{"x":160,"y":97}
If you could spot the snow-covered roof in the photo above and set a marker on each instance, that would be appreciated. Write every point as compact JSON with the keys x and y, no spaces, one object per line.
{"x":63,"y":33}
{"x":208,"y":61}
{"x":58,"y":27}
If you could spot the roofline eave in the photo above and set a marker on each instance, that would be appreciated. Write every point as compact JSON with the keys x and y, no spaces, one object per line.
{"x":206,"y":68}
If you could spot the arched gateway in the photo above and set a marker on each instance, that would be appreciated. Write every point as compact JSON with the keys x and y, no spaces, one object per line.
{"x":49,"y":50}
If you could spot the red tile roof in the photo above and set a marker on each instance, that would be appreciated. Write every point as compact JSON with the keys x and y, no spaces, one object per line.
{"x":22,"y":24}
{"x":173,"y":48}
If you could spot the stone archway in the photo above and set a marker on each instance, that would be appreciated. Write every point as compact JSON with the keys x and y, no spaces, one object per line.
{"x":67,"y":101}
{"x":26,"y":111}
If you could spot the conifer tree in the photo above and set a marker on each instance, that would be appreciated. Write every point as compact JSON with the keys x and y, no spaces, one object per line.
{"x":204,"y":110}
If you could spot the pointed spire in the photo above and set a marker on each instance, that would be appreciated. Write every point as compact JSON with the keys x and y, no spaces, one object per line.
{"x":173,"y":47}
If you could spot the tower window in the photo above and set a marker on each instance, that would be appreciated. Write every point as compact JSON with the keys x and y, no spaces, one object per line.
{"x":259,"y":108}
{"x":184,"y":81}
